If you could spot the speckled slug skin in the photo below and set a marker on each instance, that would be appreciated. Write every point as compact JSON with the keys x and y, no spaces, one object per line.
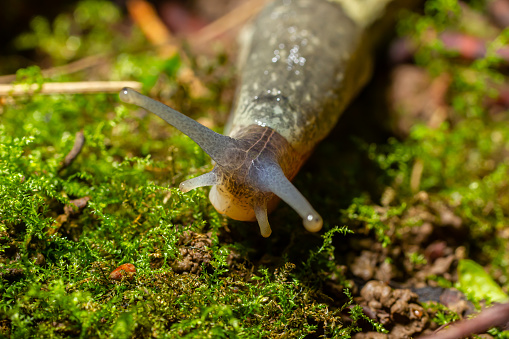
{"x":302,"y":63}
{"x":297,"y":76}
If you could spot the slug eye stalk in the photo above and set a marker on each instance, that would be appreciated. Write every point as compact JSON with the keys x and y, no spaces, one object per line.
{"x":250,"y":168}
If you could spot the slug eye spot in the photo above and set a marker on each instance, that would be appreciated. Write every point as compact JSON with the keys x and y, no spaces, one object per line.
{"x":313,"y":222}
{"x":126,"y":95}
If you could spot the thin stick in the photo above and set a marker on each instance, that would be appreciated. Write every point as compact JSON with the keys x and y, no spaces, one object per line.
{"x":495,"y":316}
{"x":69,"y":68}
{"x":145,"y":16}
{"x":230,"y":20}
{"x":69,"y":87}
{"x":79,"y":141}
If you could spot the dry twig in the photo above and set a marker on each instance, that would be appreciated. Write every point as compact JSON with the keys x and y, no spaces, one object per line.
{"x":70,"y":209}
{"x":79,"y":141}
{"x":230,"y":20}
{"x":145,"y":17}
{"x":83,"y":87}
{"x":495,"y":316}
{"x":76,"y":66}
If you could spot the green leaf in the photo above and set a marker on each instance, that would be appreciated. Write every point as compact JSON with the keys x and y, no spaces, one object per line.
{"x":475,"y":281}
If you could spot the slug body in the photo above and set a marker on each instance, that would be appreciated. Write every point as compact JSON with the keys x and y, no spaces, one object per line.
{"x":303,"y":62}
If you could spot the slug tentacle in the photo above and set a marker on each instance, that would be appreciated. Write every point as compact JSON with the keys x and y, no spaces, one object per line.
{"x":253,"y":168}
{"x":263,"y":220}
{"x":211,"y":142}
{"x":207,"y":179}
{"x":277,"y":183}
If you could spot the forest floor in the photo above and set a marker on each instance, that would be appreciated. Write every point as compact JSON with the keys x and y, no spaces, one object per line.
{"x":97,"y":241}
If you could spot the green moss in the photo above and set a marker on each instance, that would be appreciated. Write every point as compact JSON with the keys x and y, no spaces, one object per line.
{"x":54,"y":277}
{"x":85,"y":31}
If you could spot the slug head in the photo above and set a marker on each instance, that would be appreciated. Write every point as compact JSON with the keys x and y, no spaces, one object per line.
{"x":252,"y":168}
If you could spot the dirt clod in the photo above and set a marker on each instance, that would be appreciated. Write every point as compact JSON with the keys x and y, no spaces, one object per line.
{"x":397,"y":309}
{"x":194,"y":252}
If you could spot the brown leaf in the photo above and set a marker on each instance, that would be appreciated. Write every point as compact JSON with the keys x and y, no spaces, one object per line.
{"x":123,"y":271}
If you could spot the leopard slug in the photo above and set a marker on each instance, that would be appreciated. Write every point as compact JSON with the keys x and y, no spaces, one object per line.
{"x":303,"y":61}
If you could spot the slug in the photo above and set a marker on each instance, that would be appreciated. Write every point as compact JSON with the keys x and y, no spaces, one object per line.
{"x":304,"y":61}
